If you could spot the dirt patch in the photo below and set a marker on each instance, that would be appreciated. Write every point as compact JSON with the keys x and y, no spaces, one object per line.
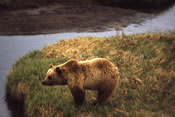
{"x":66,"y":18}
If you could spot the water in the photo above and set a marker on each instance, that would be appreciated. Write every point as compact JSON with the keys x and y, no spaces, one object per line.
{"x":12,"y":47}
{"x":163,"y":22}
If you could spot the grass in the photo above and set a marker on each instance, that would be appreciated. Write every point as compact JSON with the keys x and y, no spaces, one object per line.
{"x":146,"y":64}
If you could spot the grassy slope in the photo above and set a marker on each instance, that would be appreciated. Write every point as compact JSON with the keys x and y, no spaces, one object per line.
{"x":147,"y":69}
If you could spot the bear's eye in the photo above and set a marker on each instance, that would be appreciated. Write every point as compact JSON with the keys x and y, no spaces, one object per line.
{"x":49,"y":77}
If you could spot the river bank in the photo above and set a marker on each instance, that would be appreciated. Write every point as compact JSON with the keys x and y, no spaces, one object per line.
{"x":67,"y":18}
{"x":146,"y":66}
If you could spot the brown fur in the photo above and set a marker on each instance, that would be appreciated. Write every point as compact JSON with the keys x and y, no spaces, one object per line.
{"x":96,"y":74}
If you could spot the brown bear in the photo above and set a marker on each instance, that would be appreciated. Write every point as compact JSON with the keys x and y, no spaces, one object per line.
{"x":96,"y":74}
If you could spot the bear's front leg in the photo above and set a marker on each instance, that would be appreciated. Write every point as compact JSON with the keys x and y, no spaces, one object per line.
{"x":78,"y":94}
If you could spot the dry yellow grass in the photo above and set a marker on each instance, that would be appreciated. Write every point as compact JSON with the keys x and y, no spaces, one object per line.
{"x":77,"y":48}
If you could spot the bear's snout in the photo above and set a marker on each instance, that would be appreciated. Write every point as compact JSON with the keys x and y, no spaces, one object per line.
{"x":47,"y":83}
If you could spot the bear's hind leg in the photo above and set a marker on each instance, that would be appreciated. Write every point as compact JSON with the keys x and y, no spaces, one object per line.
{"x":105,"y":93}
{"x":102,"y":97}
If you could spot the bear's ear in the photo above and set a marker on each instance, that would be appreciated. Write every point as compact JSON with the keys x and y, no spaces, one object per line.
{"x":73,"y":65}
{"x":58,"y":70}
{"x":50,"y":65}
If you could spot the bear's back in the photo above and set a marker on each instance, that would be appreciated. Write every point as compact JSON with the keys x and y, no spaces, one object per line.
{"x":98,"y":71}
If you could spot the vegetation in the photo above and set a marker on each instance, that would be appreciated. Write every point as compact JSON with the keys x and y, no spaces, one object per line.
{"x":146,"y":64}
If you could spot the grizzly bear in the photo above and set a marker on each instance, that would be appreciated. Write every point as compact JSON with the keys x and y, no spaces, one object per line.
{"x":96,"y":74}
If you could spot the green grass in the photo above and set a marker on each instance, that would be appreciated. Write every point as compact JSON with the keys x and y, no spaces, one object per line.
{"x":146,"y":64}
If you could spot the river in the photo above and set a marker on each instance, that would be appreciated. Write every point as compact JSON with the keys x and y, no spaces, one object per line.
{"x":12,"y":47}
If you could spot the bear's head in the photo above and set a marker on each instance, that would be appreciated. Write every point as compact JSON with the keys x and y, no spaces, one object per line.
{"x":59,"y":75}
